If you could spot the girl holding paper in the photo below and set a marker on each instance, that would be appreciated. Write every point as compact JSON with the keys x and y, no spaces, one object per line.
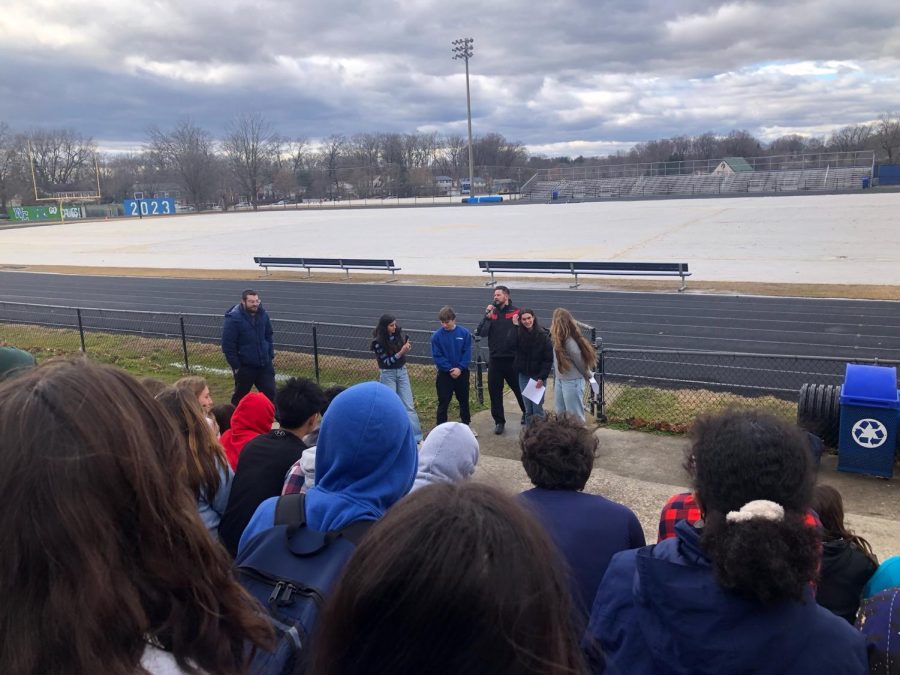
{"x":573,"y":360}
{"x":533,"y":360}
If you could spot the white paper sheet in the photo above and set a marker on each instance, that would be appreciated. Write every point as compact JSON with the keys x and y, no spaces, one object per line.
{"x":595,"y":386}
{"x":532,"y":393}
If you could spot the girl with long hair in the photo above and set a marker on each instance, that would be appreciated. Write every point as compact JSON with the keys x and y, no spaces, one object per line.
{"x":200,"y":389}
{"x":206,"y":468}
{"x":534,"y":358}
{"x":456,"y":578}
{"x":105,"y":565}
{"x":390,"y":347}
{"x":731,"y":593}
{"x":847,"y":559}
{"x":573,"y":360}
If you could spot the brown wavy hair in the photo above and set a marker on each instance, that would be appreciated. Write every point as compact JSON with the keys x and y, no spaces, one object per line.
{"x":563,"y":327}
{"x":102,"y":551}
{"x":456,"y":578}
{"x":194,"y":383}
{"x":829,"y":505}
{"x":205,"y":461}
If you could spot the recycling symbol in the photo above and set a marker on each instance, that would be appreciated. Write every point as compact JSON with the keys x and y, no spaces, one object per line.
{"x":869,"y":433}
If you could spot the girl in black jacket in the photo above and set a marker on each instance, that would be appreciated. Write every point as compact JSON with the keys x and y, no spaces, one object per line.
{"x":847,"y":559}
{"x":533,"y":359}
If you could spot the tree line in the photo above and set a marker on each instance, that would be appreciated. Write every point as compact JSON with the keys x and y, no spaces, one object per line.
{"x":252,"y":162}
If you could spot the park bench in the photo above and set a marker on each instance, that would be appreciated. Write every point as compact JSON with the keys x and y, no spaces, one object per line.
{"x":615,"y":268}
{"x":345,"y":264}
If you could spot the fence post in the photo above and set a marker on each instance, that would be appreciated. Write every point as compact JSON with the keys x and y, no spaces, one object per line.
{"x":81,"y":331}
{"x":479,"y":372}
{"x":184,"y":349}
{"x":601,"y":380}
{"x":315,"y":336}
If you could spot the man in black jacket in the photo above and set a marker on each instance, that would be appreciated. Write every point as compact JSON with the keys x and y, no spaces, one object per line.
{"x":497,"y":325}
{"x":248,"y":347}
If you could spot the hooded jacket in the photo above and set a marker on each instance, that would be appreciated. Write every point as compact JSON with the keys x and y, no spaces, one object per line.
{"x":660,"y":610}
{"x":247,"y":341}
{"x":845,"y":571}
{"x":365,"y":462}
{"x":253,"y":416}
{"x":448,"y":455}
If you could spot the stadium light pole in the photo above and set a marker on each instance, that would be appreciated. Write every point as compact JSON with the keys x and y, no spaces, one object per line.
{"x":462,"y":49}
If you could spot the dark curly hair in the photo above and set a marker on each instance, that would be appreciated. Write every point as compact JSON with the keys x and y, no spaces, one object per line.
{"x":742,"y":456}
{"x":558,"y":452}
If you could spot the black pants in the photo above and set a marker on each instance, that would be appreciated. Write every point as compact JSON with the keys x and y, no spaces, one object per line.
{"x":500,"y":371}
{"x":246,"y":377}
{"x":446,"y":388}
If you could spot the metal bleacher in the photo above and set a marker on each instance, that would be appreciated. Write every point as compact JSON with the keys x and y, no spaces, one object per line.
{"x":826,"y":172}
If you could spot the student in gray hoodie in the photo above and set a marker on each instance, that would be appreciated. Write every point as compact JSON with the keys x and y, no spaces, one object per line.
{"x":448,"y":455}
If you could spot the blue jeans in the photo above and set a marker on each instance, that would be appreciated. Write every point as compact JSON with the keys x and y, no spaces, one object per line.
{"x":532,"y":409}
{"x":398,"y":380}
{"x":569,"y":397}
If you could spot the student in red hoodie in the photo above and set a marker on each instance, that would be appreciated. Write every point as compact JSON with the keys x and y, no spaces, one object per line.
{"x":253,"y":416}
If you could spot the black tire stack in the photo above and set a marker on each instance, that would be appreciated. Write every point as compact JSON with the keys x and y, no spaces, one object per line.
{"x":819,"y":411}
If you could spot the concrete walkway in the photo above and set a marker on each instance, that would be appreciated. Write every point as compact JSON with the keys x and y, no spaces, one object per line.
{"x":642,"y":470}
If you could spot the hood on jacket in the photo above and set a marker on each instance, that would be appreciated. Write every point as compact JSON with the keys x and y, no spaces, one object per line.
{"x":365,"y":458}
{"x":448,"y":455}
{"x":237,"y":312}
{"x":886,"y":576}
{"x":691,"y":624}
{"x":253,"y":416}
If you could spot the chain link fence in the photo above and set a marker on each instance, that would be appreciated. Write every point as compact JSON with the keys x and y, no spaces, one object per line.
{"x":642,"y":388}
{"x":666,"y":390}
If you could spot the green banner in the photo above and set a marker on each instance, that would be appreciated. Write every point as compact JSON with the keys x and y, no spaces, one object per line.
{"x":38,"y":213}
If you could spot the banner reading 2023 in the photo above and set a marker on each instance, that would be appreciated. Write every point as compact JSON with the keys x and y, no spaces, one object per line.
{"x":156,"y":206}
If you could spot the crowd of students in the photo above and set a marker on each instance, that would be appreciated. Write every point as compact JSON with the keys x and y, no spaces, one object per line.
{"x":139,"y":537}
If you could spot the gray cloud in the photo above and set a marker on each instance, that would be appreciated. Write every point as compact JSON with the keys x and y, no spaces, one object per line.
{"x":569,"y":74}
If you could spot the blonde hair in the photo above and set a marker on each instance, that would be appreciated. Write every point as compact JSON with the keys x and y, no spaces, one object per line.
{"x":563,"y":327}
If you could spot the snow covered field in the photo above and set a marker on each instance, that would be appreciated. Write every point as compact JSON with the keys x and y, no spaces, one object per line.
{"x":850,"y":239}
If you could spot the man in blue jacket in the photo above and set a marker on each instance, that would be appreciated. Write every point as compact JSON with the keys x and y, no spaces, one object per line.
{"x":248,"y":347}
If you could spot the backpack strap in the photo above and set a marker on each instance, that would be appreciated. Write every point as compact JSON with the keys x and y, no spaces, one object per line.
{"x":355,"y":531}
{"x":291,"y":510}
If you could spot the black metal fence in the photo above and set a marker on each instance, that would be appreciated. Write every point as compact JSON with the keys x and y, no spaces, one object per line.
{"x":662,"y":389}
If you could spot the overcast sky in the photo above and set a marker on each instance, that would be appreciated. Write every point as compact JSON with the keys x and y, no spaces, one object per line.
{"x":560,"y":76}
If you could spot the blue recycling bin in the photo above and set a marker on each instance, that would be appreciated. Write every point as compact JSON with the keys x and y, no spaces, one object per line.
{"x":865,"y":182}
{"x":869,"y":411}
{"x":554,"y":194}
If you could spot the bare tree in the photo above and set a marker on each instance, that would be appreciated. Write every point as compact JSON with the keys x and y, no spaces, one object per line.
{"x":852,"y":137}
{"x":187,"y":150}
{"x":888,"y":134}
{"x":13,"y":177}
{"x":61,"y":157}
{"x":251,"y":147}
{"x":332,"y":152}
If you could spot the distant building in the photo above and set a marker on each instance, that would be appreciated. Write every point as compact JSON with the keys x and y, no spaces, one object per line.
{"x":732,"y":165}
{"x":443,"y":185}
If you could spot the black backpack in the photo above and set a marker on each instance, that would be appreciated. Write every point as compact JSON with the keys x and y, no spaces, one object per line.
{"x":290,"y":568}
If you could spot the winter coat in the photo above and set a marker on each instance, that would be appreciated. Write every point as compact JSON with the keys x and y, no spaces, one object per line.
{"x":247,"y":341}
{"x":253,"y":416}
{"x":498,"y":328}
{"x":845,"y":571}
{"x":534,"y":353}
{"x":660,"y":610}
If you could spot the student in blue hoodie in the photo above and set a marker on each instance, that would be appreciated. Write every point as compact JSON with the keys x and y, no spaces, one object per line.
{"x":366,"y":461}
{"x":733,"y":595}
{"x":451,"y":348}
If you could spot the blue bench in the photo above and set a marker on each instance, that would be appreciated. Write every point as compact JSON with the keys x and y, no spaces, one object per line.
{"x":345,"y":264}
{"x":615,"y":268}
